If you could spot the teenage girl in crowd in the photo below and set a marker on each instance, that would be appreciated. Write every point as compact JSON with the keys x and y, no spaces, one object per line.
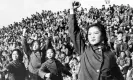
{"x":52,"y":69}
{"x":35,"y":54}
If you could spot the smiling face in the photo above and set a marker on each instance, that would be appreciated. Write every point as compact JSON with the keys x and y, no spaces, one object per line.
{"x":15,"y":55}
{"x":50,"y":54}
{"x":94,"y":35}
{"x":122,"y":54}
{"x":35,"y":45}
{"x":119,"y":36}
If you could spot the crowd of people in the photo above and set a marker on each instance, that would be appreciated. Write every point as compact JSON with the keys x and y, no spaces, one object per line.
{"x":34,"y":38}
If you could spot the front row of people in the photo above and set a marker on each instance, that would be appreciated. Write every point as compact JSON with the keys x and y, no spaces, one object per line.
{"x":51,"y":69}
{"x":42,"y":62}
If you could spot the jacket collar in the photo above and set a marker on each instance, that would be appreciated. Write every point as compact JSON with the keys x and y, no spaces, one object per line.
{"x":97,"y":48}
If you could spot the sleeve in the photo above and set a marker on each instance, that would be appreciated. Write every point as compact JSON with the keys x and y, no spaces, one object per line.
{"x":41,"y":71}
{"x":118,"y":60}
{"x":117,"y":50}
{"x":127,"y":63}
{"x":115,"y":70}
{"x":9,"y":67}
{"x":75,"y":34}
{"x":65,"y":70}
{"x":44,"y":48}
{"x":25,"y":46}
{"x":47,"y":45}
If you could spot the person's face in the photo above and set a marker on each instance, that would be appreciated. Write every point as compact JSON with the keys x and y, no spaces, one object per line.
{"x":115,"y":31}
{"x":131,"y":35}
{"x":94,"y":35}
{"x":103,"y":6}
{"x":15,"y":55}
{"x":60,"y":42}
{"x":75,"y":61}
{"x":50,"y":54}
{"x":63,"y":47}
{"x":62,"y":56}
{"x":122,"y":54}
{"x":35,"y":46}
{"x":119,"y":36}
{"x":3,"y":53}
{"x":126,"y":31}
{"x":130,"y":46}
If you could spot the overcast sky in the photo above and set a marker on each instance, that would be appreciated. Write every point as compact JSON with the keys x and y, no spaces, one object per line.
{"x":14,"y":10}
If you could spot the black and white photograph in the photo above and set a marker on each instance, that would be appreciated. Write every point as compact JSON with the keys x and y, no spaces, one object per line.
{"x":66,"y":40}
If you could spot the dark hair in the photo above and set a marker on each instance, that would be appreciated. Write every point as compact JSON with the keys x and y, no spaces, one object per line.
{"x":32,"y":43}
{"x":123,"y":52}
{"x":53,"y":52}
{"x":75,"y":59}
{"x":102,"y":30}
{"x":4,"y":51}
{"x":119,"y":32}
{"x":20,"y":54}
{"x":63,"y":53}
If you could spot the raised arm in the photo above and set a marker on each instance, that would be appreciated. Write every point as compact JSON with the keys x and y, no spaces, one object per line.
{"x":74,"y":31}
{"x":115,"y":70}
{"x":47,"y":45}
{"x":63,"y":68}
{"x":42,"y":72}
{"x":127,"y":63}
{"x":25,"y":45}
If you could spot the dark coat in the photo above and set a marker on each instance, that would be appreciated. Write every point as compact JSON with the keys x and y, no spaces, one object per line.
{"x":121,"y":47}
{"x":17,"y":70}
{"x":95,"y":64}
{"x":55,"y":68}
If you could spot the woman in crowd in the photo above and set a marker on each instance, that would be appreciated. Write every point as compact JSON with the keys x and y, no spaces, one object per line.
{"x":98,"y":62}
{"x":74,"y":65}
{"x":4,"y":60}
{"x":35,"y":54}
{"x":52,"y":69}
{"x":16,"y":68}
{"x":129,"y":74}
{"x":123,"y":63}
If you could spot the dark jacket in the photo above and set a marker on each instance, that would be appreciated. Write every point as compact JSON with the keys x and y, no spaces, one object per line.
{"x":125,"y":63}
{"x":55,"y":68}
{"x":121,"y":47}
{"x":95,"y":64}
{"x":17,"y":70}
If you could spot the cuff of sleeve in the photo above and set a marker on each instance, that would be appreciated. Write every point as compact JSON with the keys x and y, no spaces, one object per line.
{"x":71,"y":11}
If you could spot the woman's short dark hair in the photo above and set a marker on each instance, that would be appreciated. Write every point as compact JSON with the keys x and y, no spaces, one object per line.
{"x":119,"y":32}
{"x":35,"y":41}
{"x":52,"y":50}
{"x":102,"y":29}
{"x":20,"y":54}
{"x":75,"y":59}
